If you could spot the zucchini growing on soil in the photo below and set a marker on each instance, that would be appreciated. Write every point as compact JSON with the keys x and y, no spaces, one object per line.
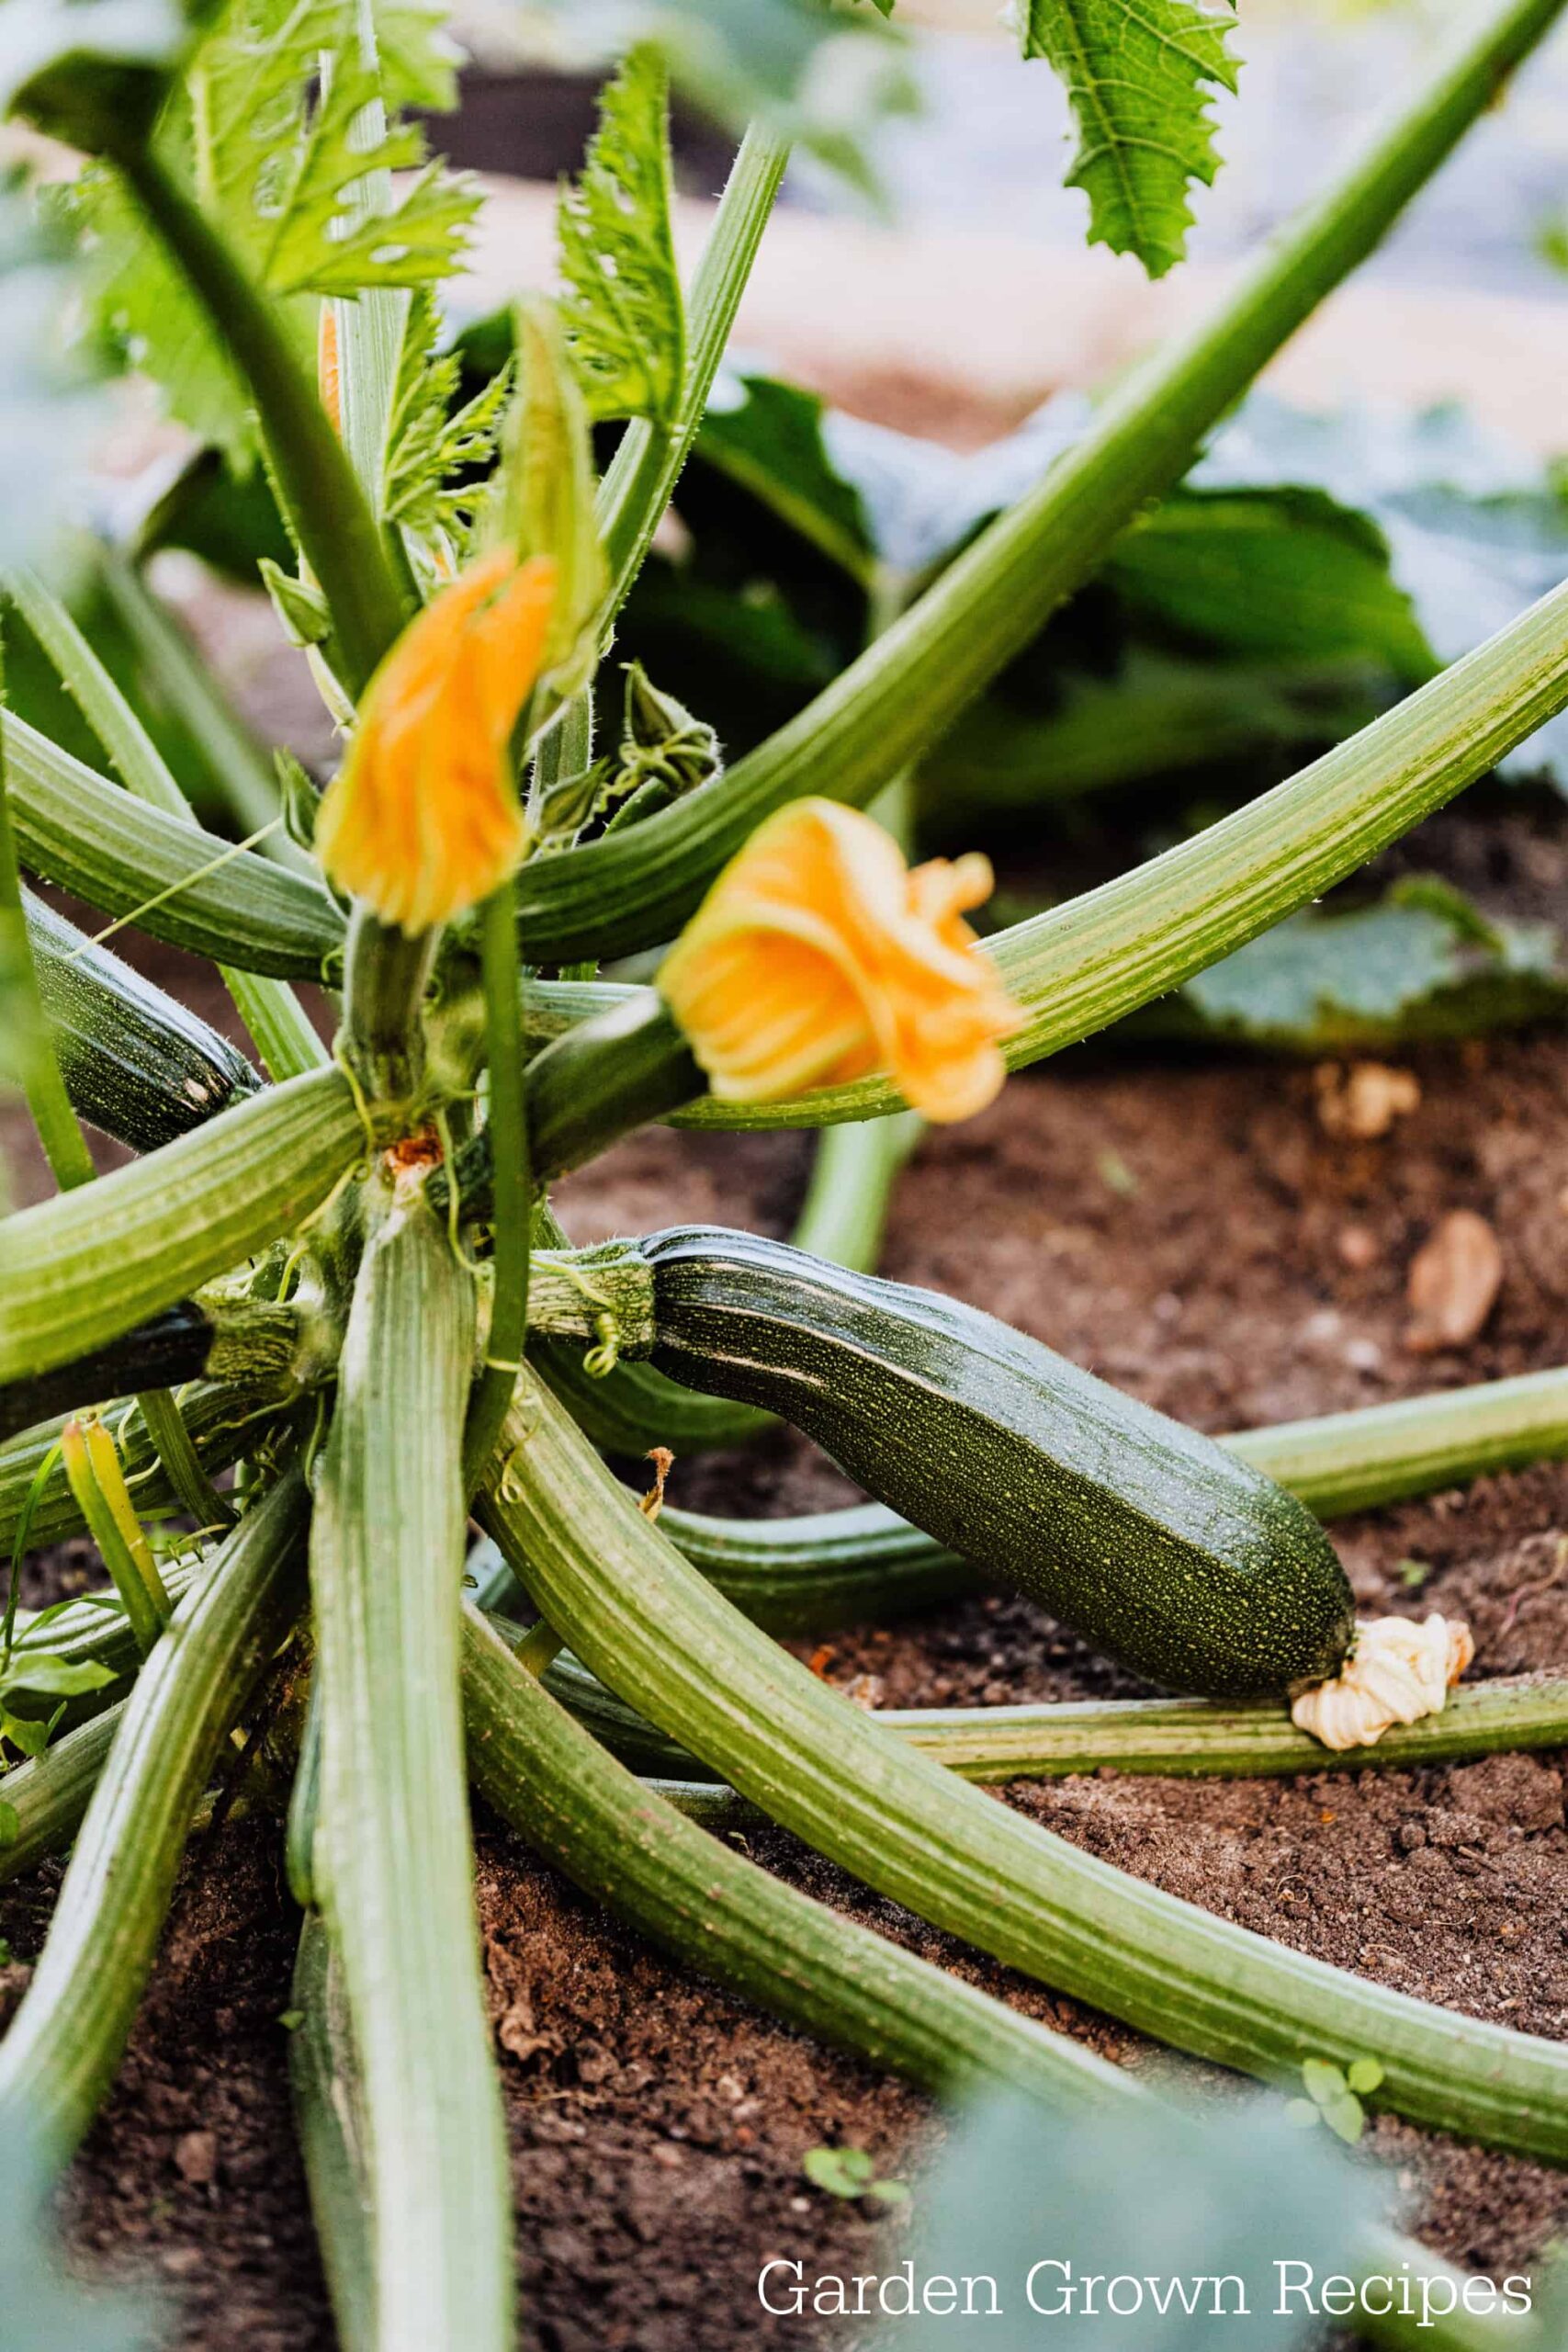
{"x":1150,"y":1540}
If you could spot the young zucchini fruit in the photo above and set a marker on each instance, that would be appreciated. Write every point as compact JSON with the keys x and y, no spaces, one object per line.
{"x":137,"y":1065}
{"x":1149,"y":1539}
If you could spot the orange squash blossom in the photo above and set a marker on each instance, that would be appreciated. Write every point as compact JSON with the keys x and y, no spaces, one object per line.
{"x":422,"y":820}
{"x":819,"y":956}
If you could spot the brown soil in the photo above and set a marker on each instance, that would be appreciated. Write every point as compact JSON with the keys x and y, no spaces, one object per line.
{"x":1253,"y":1270}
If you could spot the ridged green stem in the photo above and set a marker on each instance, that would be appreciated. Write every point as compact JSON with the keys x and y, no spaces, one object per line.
{"x":285,"y":1038}
{"x":596,"y":1083}
{"x":647,"y":465}
{"x":79,"y":1270}
{"x":1085,"y":965}
{"x":512,"y":1206}
{"x":1187,"y":1736}
{"x":327,"y":510}
{"x":181,"y":1463}
{"x":240,"y":770}
{"x":29,"y":1054}
{"x":118,"y":853}
{"x":645,"y":1622}
{"x":60,"y":2055}
{"x":842,"y":1567}
{"x":391,"y":1858}
{"x":1177,"y":1737}
{"x":629,"y":891}
{"x":325,"y":2077}
{"x":384,"y":973}
{"x":630,"y":1848}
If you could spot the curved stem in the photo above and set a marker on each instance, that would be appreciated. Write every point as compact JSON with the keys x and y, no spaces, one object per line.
{"x":283,"y":1036}
{"x":182,"y":1465}
{"x":328,"y":512}
{"x":639,"y":1617}
{"x":631,"y":891}
{"x":60,"y":2055}
{"x":77,"y":1270}
{"x":327,"y":2086}
{"x":119,"y":854}
{"x":630,"y":1848}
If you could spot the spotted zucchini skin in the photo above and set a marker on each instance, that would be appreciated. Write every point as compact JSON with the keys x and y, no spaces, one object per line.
{"x":1147,"y":1538}
{"x":137,"y":1065}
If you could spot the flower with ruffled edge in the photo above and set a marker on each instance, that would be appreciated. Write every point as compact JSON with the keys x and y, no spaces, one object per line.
{"x":819,"y":956}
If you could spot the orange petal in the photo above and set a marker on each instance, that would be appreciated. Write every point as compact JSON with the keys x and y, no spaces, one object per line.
{"x":422,"y":820}
{"x":817,"y":956}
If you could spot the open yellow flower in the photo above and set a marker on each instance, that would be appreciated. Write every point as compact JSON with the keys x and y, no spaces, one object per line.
{"x":819,"y":956}
{"x":422,"y":820}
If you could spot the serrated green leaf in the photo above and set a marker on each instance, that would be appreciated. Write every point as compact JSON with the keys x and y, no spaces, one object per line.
{"x":436,"y":454}
{"x":1139,"y":76}
{"x":269,"y":132}
{"x":620,"y":303}
{"x":281,"y":149}
{"x":418,"y":55}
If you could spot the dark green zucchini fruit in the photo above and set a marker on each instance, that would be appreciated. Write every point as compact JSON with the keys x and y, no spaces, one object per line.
{"x":136,"y":1064}
{"x":1161,"y":1549}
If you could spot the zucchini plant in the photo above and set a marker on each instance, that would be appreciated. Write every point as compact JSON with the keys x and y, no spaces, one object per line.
{"x":336,"y":1269}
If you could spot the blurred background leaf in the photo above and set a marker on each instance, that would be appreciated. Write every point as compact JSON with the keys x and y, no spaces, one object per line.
{"x":1154,"y":2193}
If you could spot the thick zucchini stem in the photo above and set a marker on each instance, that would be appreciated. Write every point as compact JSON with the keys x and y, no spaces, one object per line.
{"x":59,"y":2057}
{"x":647,"y":1623}
{"x":80,"y":1268}
{"x":391,"y":1864}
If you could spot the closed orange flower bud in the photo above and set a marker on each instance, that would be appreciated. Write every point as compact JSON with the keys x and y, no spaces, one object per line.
{"x":328,"y":380}
{"x":422,"y":820}
{"x":819,"y":956}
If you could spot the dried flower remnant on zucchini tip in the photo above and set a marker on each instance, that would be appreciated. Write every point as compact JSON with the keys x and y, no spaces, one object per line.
{"x":1397,"y":1672}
